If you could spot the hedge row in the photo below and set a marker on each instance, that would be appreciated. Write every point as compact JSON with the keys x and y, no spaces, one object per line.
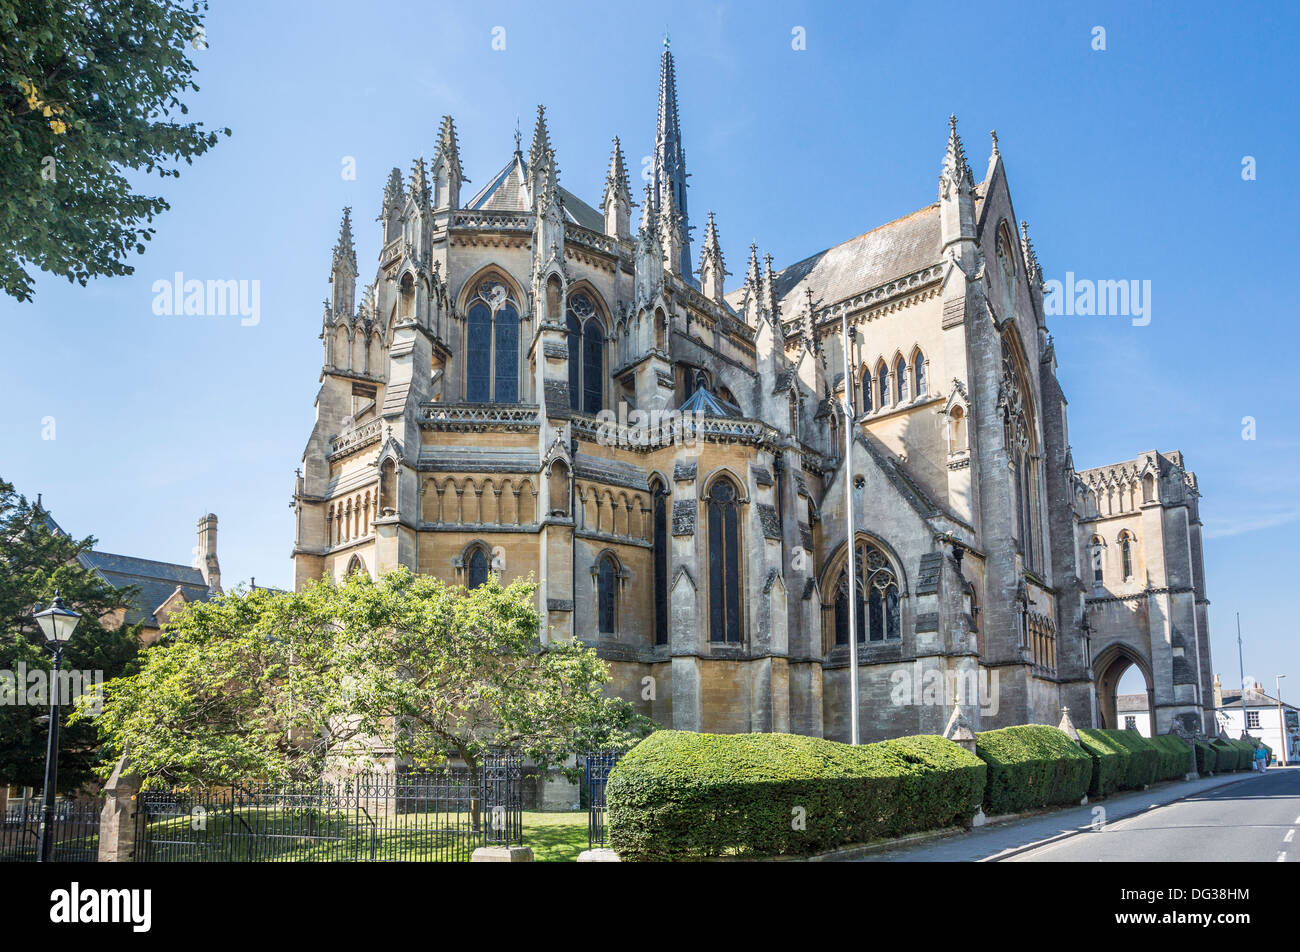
{"x":680,"y":795}
{"x":1031,"y":766}
{"x":1177,"y":759}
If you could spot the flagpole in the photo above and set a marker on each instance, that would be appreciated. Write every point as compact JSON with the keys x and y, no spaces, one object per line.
{"x":1241,"y":663}
{"x":851,"y":534}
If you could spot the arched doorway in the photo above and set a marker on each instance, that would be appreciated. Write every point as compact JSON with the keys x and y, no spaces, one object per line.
{"x":1119,"y":671}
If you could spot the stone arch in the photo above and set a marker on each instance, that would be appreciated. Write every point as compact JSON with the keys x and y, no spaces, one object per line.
{"x":1109,"y":667}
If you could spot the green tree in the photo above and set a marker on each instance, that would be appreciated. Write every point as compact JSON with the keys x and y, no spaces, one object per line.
{"x":35,"y":561}
{"x":89,"y":92}
{"x":274,"y":685}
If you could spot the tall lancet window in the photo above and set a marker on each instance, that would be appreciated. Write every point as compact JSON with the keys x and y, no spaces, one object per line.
{"x":866,"y":391}
{"x":878,"y":612}
{"x":882,"y":384}
{"x":918,"y":373}
{"x":586,"y":355}
{"x":660,"y":495}
{"x":492,"y":345}
{"x":724,"y":562}
{"x":900,"y":372}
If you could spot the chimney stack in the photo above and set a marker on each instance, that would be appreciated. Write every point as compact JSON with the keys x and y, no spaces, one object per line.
{"x":205,"y":557}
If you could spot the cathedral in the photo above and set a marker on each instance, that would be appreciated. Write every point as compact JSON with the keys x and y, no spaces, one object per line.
{"x":483,"y":406}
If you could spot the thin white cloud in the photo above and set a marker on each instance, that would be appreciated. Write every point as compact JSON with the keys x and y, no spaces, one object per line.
{"x":1220,"y":528}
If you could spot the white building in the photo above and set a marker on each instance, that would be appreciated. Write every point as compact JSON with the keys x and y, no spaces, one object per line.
{"x":1133,"y":713}
{"x":1261,"y":718}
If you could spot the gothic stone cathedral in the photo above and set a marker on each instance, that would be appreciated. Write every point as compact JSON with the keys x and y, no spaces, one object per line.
{"x":463,"y":426}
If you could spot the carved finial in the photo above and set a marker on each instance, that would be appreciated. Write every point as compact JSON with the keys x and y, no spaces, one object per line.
{"x":956,"y":171}
{"x":993,"y":134}
{"x":343,"y":248}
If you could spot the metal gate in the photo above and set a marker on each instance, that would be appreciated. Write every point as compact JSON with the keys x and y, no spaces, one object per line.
{"x":76,"y":831}
{"x":596,"y":768}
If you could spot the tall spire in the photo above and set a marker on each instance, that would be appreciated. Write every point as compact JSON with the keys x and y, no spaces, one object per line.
{"x":669,"y":167}
{"x":956,"y":172}
{"x":419,"y":183}
{"x":344,"y":250}
{"x":617,"y":201}
{"x":447,"y":173}
{"x":448,"y":147}
{"x":540,"y":150}
{"x":713,"y":270}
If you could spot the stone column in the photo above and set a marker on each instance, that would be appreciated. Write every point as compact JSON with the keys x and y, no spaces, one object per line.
{"x":117,"y":819}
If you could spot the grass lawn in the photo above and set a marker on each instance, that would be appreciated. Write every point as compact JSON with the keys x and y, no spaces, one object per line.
{"x":555,"y":837}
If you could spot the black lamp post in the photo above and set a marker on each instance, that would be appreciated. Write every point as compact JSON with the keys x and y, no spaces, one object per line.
{"x":57,"y":623}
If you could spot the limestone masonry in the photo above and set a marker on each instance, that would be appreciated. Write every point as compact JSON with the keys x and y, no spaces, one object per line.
{"x":530,"y":387}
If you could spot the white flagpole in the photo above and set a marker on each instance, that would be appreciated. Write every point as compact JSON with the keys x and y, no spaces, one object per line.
{"x":849,"y":424}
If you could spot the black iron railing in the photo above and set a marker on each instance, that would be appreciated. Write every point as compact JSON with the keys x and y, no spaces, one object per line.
{"x":435,"y":816}
{"x":596,"y":768}
{"x":76,"y":831}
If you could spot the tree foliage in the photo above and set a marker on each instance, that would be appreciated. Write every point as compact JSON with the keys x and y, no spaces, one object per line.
{"x":88,"y":93}
{"x":35,"y":561}
{"x":282,"y":685}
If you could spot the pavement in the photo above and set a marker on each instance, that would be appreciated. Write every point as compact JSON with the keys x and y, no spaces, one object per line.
{"x":1240,"y":816}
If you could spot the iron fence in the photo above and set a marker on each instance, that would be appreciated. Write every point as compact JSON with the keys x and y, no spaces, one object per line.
{"x":596,"y":768}
{"x":76,"y":831}
{"x":435,"y":816}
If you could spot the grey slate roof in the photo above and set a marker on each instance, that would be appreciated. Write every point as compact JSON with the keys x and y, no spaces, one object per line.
{"x":893,"y":250}
{"x":155,"y":581}
{"x":1128,"y":703}
{"x":507,"y":191}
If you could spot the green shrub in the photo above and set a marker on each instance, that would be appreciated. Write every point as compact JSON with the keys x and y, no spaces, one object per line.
{"x":1109,"y":762}
{"x":682,"y":795}
{"x":1247,"y":748}
{"x":1032,"y":766}
{"x":1177,"y":759}
{"x":1144,"y":758}
{"x":1226,"y":755}
{"x":1205,"y":757}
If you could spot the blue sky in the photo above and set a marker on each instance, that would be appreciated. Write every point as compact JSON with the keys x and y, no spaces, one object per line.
{"x":1126,"y":162}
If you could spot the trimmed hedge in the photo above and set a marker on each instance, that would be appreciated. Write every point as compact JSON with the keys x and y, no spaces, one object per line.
{"x":1032,"y":766}
{"x":1245,"y":753}
{"x":1177,"y":759}
{"x":1144,"y":758}
{"x":682,"y":795}
{"x":1206,"y":757}
{"x":1228,"y":755}
{"x":1109,"y":762}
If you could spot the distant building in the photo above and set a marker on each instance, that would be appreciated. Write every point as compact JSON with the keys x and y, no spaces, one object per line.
{"x":1261,"y":718}
{"x":161,"y":588}
{"x":1133,"y":713}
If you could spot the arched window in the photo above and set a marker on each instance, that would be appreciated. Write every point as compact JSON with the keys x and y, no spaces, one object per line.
{"x":1126,"y":553}
{"x":918,"y":374}
{"x":477,"y":567}
{"x":559,"y":486}
{"x":1098,"y":561}
{"x":878,"y":616}
{"x":492,"y":345}
{"x":660,"y":539}
{"x":724,"y":562}
{"x":956,"y":429}
{"x":586,"y":355}
{"x":355,"y":565}
{"x":1148,"y":488}
{"x":606,"y":581}
{"x":866,"y":391}
{"x":900,"y":371}
{"x":882,"y":385}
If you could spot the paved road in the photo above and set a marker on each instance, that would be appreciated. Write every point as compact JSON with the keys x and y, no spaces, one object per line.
{"x":1254,"y":821}
{"x":1014,"y":839}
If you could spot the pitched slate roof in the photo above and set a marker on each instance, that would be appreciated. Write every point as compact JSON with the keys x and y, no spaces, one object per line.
{"x":155,"y":582}
{"x":710,"y":404}
{"x":507,"y":191}
{"x":895,"y":249}
{"x":1126,"y":703}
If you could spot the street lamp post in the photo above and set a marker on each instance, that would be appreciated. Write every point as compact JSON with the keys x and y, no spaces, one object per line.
{"x":1281,"y":718}
{"x":57,"y":623}
{"x":849,"y":425}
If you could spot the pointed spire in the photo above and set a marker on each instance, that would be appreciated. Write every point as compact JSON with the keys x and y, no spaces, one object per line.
{"x":751,"y":273}
{"x":448,"y":148}
{"x":344,"y":250}
{"x":669,"y":161}
{"x":540,"y":149}
{"x":393,"y":190}
{"x":419,"y":191}
{"x":713,"y":270}
{"x":770,"y":303}
{"x":617,"y":201}
{"x":956,"y":172}
{"x":617,"y":176}
{"x":649,"y":221}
